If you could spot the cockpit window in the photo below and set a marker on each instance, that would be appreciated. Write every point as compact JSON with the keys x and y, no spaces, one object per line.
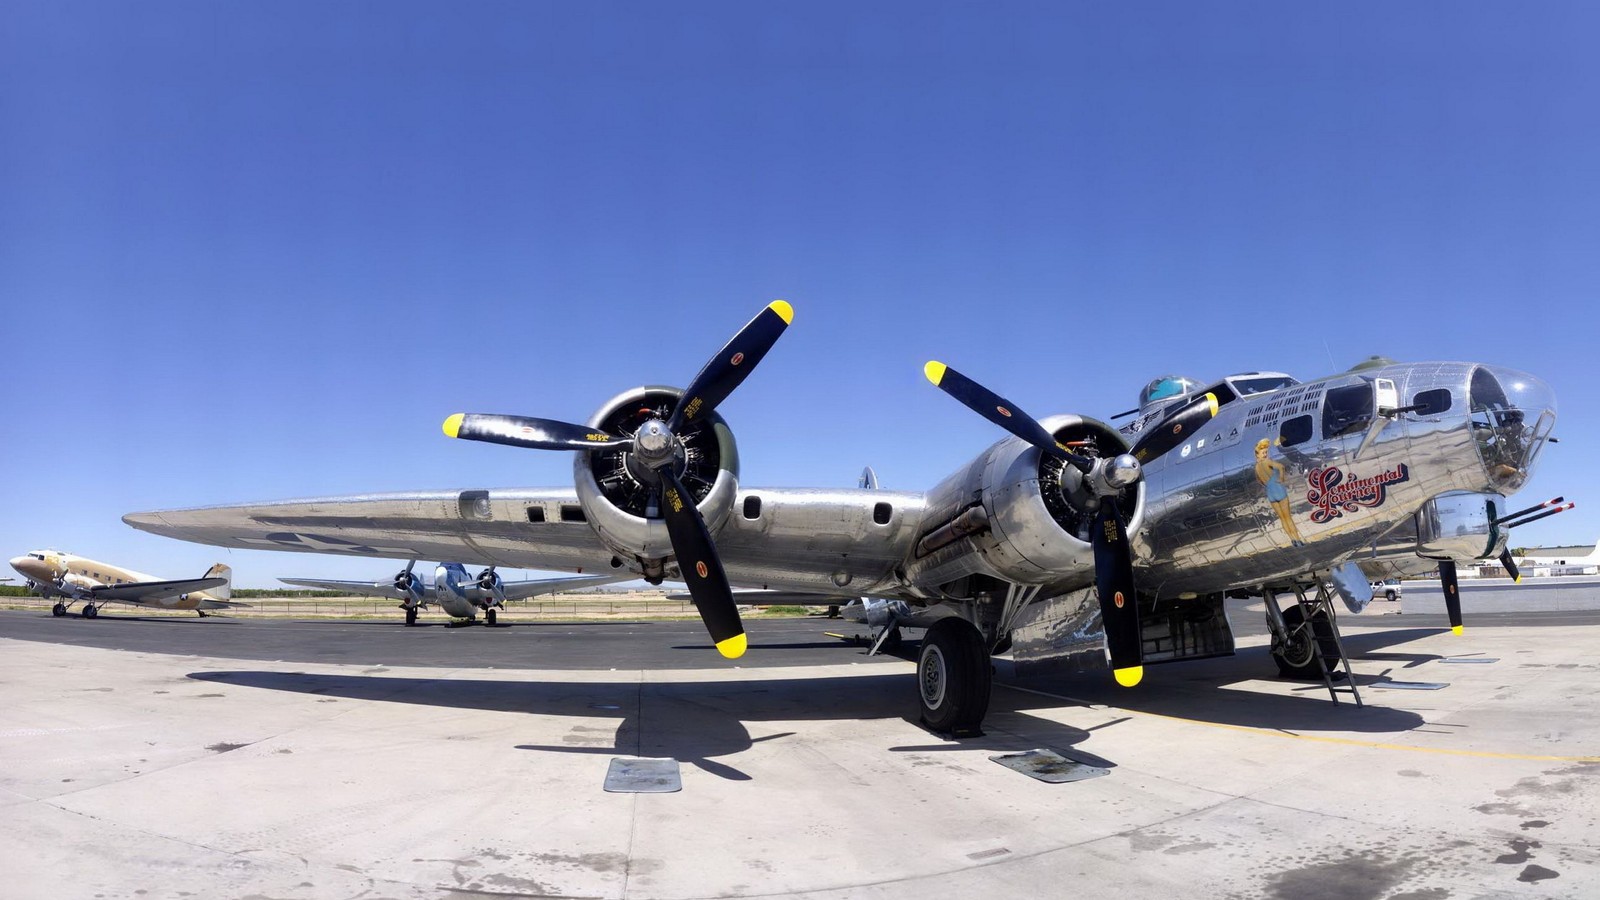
{"x":1261,"y":384}
{"x":1165,"y":388}
{"x":1346,"y":410}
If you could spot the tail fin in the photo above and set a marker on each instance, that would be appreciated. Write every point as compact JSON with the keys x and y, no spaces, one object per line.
{"x":220,"y":571}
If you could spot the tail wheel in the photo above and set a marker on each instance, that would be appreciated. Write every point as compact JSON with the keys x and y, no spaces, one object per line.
{"x":953,"y":678}
{"x":1296,"y":657}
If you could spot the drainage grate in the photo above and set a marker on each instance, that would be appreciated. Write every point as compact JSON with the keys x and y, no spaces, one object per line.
{"x":639,"y":775}
{"x":1049,"y":766}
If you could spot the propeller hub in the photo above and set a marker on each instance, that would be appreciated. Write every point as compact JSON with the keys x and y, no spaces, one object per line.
{"x":653,"y":441}
{"x":1123,"y":471}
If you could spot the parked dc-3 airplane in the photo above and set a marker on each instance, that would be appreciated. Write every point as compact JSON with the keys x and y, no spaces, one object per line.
{"x":1070,"y":542}
{"x":460,"y":596}
{"x":52,"y":573}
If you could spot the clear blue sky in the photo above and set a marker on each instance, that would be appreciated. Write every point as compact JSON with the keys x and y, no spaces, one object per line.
{"x":252,"y":251}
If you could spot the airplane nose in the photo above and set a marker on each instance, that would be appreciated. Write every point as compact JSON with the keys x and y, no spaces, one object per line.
{"x":21,"y":564}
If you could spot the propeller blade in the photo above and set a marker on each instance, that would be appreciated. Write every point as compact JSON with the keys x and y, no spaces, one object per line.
{"x":521,"y":431}
{"x":702,"y":570}
{"x":1510,"y":562}
{"x":1175,"y":429}
{"x":999,"y":410}
{"x":1452,"y":593}
{"x":732,"y":364}
{"x":1119,"y":609}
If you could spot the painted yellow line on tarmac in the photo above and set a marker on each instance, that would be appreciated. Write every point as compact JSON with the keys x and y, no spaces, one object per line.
{"x":1348,"y":742}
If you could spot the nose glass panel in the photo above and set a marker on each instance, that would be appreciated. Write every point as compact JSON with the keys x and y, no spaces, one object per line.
{"x":1512,"y":415}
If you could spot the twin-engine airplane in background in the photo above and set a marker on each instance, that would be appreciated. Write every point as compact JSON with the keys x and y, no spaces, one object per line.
{"x":1071,"y":543}
{"x":459,"y":595}
{"x":52,"y":573}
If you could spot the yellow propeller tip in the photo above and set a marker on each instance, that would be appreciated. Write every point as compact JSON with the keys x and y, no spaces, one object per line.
{"x":935,"y":371}
{"x":783,"y":309}
{"x":1517,"y":580}
{"x":1130,"y":676}
{"x":1211,"y":401}
{"x":452,"y":425}
{"x":1456,"y":629}
{"x":734,"y":647}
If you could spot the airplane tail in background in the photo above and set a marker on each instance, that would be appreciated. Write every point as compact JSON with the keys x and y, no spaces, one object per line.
{"x":220,"y":571}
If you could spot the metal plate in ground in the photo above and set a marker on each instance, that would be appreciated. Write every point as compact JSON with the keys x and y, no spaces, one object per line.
{"x":642,"y":775}
{"x":1470,"y":659}
{"x":1049,"y":766}
{"x":1411,"y":685}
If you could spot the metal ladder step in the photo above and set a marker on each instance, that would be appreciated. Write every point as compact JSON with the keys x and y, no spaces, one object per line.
{"x":1323,"y":602}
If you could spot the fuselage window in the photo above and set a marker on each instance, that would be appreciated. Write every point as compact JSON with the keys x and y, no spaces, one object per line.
{"x":752,"y":507}
{"x":1346,"y":410}
{"x":572,"y":512}
{"x":1294,"y":431}
{"x":1432,"y":403}
{"x":535,"y":514}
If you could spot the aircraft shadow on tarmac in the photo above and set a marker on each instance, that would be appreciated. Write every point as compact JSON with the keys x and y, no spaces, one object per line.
{"x":701,"y":722}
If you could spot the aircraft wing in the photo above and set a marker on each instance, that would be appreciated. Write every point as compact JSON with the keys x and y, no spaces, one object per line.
{"x":365,"y":588}
{"x":807,"y":540}
{"x":148,"y":591}
{"x":521,"y":590}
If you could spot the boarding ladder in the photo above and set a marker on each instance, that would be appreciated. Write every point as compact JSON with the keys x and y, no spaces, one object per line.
{"x":1323,"y":602}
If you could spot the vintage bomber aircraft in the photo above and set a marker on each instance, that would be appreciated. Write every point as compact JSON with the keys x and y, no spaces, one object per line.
{"x":1068,"y":541}
{"x":459,"y":595}
{"x":52,"y":573}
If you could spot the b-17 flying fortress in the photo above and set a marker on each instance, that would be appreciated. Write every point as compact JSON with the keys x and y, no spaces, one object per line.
{"x":1069,"y":542}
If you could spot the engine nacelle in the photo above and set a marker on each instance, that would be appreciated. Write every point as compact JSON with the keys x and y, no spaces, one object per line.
{"x":1018,"y":515}
{"x":617,"y":492}
{"x":1460,"y":525}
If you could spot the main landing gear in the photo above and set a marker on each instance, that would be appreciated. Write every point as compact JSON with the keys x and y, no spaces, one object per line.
{"x":90,"y":611}
{"x":411,"y":616}
{"x":1306,"y":643}
{"x":489,"y":617}
{"x":60,"y":609}
{"x":954,"y":677}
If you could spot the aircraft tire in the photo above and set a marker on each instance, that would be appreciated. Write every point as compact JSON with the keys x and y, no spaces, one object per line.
{"x":411,"y":616}
{"x":89,"y":611}
{"x":953,"y":677}
{"x":60,"y":609}
{"x":489,"y":617}
{"x":1296,"y":660}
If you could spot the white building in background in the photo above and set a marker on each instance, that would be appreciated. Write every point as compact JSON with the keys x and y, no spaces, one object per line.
{"x":1561,"y":560}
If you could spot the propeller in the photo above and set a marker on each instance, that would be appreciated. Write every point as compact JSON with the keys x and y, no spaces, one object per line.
{"x":491,"y":584}
{"x":654,"y":446}
{"x":1452,"y":593}
{"x":1510,"y":563}
{"x":406,"y":582}
{"x":1113,"y":559}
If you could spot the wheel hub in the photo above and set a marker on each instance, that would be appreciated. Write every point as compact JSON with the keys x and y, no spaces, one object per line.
{"x":933,"y":677}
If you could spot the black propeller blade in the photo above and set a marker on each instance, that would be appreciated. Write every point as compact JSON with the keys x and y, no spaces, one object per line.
{"x":1000,"y":411}
{"x":1113,"y":559}
{"x":701,"y":568}
{"x":725,"y":371}
{"x":1452,"y":593}
{"x":1175,"y":429}
{"x":522,"y":431}
{"x":1510,"y":562}
{"x":1119,"y":609}
{"x":652,"y":445}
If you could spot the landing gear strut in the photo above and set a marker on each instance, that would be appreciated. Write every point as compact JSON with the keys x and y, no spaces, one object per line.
{"x":953,"y":678}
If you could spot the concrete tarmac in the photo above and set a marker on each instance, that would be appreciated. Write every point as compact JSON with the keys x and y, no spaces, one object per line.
{"x":186,"y":758}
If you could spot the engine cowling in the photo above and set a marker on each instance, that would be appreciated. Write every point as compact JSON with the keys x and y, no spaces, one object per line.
{"x":617,"y":492}
{"x":1020,"y":516}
